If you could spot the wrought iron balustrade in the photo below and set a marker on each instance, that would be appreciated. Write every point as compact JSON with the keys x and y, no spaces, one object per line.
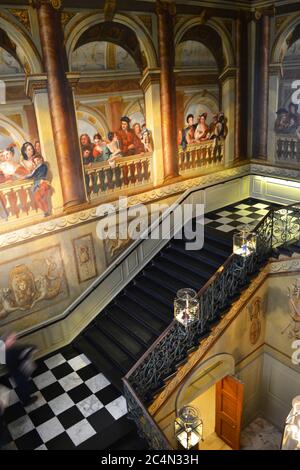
{"x":125,"y":173}
{"x":204,"y":154}
{"x":147,"y":428}
{"x":278,"y":227}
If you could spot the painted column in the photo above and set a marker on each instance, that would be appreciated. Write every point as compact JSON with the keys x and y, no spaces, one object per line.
{"x":262,"y":89}
{"x":61,"y":104}
{"x":228,"y":81}
{"x":273,"y":105}
{"x":32,"y":124}
{"x":238,"y":95}
{"x":241,"y":99}
{"x":180,"y":121}
{"x":165,"y":14}
{"x":150,"y":84}
{"x":36,"y":89}
{"x":116,"y":107}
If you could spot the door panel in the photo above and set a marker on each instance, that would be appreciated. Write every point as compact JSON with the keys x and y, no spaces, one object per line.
{"x":229,"y":407}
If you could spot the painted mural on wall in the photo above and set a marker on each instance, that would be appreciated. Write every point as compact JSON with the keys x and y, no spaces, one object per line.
{"x":123,"y":142}
{"x":28,"y":284}
{"x":27,"y":165}
{"x":200,"y":131}
{"x":288,"y":121}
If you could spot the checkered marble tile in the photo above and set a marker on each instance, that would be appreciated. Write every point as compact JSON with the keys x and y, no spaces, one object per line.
{"x":75,"y":404}
{"x":230,"y":218}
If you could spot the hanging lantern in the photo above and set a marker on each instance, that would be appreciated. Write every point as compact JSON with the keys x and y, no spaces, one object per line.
{"x":291,"y":433}
{"x":244,"y":242}
{"x":186,"y":306}
{"x":188,"y":428}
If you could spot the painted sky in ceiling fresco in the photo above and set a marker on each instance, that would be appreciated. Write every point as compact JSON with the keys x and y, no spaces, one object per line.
{"x":102,"y":56}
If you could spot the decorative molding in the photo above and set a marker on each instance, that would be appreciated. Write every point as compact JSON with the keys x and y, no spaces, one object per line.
{"x":291,"y":264}
{"x":228,"y":72}
{"x":22,"y":16}
{"x":266,"y":170}
{"x":150,"y":77}
{"x":35,"y":84}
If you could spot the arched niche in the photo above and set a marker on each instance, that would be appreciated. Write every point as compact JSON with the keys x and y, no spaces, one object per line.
{"x":287,"y":35}
{"x":20,"y":46}
{"x":101,"y":56}
{"x":136,"y":111}
{"x":191,"y":53}
{"x":289,"y":53}
{"x":203,"y":102}
{"x":212,"y":34}
{"x":139,"y":43}
{"x":91,"y":122}
{"x":11,"y":133}
{"x":202,"y":377}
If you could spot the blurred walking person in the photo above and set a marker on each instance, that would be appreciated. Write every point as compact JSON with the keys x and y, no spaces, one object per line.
{"x":20,"y":364}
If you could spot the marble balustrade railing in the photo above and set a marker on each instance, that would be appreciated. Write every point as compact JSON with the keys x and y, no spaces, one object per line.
{"x":288,"y":148}
{"x":201,"y":155}
{"x":17,"y":199}
{"x":126,"y":173}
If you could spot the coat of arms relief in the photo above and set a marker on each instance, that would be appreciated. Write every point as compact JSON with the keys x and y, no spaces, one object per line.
{"x":28,"y":284}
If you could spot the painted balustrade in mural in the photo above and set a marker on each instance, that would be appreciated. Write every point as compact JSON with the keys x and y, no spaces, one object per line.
{"x":17,"y":199}
{"x":206,"y":154}
{"x":288,"y":149}
{"x":126,"y":173}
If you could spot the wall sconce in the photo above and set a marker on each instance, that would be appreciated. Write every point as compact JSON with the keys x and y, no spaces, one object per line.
{"x":291,"y":433}
{"x":186,"y":307}
{"x":188,"y":428}
{"x":244,"y":242}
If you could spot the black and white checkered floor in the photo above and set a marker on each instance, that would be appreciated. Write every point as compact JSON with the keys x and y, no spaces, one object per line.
{"x":229,"y":218}
{"x":76,"y":406}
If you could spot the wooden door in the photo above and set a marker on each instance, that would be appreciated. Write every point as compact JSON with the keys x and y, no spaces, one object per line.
{"x":229,"y":407}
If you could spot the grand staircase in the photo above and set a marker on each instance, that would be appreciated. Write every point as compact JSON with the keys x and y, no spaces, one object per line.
{"x":128,"y":326}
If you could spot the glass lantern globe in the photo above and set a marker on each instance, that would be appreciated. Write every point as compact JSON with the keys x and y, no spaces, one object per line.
{"x":244,"y":242}
{"x":291,"y":433}
{"x":186,"y":306}
{"x":188,"y":427}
